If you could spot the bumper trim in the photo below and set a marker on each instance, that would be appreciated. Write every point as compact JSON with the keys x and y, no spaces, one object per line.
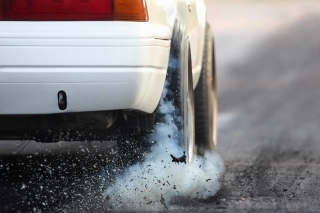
{"x":125,"y":89}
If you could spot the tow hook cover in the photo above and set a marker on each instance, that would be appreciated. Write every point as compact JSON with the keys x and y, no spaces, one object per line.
{"x":62,"y":100}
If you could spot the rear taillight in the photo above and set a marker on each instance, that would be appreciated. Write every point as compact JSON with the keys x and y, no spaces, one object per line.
{"x":129,"y":10}
{"x":1,"y":10}
{"x":72,"y":10}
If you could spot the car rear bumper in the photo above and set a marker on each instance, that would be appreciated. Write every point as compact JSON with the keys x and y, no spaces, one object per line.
{"x":97,"y":72}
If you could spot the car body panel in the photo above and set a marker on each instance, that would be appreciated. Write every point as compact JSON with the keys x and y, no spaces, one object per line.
{"x":101,"y":65}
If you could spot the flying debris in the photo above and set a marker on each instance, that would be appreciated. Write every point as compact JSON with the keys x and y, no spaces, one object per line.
{"x":163,"y":202}
{"x":181,"y":159}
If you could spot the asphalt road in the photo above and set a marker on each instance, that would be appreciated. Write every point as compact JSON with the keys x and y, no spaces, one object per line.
{"x":269,"y":122}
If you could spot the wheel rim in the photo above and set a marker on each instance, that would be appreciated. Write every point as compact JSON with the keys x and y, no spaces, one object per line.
{"x":188,"y":115}
{"x":214,"y":101}
{"x":190,"y":126}
{"x":212,"y":97}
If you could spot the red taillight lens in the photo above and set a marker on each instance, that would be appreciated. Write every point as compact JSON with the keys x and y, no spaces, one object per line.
{"x":41,"y":10}
{"x":1,"y":10}
{"x":129,"y":10}
{"x":72,"y":10}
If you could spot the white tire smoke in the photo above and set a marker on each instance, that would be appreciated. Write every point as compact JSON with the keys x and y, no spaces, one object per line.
{"x":153,"y":183}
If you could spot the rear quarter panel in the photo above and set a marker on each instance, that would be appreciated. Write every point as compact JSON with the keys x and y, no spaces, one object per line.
{"x":165,"y":12}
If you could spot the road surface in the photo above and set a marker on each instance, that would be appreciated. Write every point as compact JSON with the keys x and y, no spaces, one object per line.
{"x":269,"y":124}
{"x":270,"y":110}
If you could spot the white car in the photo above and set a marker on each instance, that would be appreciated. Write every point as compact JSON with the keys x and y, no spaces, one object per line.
{"x":64,"y":64}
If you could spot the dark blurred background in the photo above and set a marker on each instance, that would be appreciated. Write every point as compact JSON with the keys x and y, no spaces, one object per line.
{"x":268,"y":67}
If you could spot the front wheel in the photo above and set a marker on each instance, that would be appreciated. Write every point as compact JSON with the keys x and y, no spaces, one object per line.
{"x":206,"y":99}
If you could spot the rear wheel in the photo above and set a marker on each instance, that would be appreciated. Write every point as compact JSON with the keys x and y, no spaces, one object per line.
{"x":181,"y":91}
{"x":206,"y":99}
{"x":189,"y":113}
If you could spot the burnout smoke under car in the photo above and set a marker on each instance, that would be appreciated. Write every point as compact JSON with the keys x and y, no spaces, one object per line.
{"x":153,"y":183}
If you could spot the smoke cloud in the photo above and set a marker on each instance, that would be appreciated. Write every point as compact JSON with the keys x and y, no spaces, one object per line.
{"x":152,"y":184}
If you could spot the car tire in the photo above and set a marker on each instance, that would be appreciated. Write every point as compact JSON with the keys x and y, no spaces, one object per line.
{"x":206,"y":99}
{"x":181,"y":92}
